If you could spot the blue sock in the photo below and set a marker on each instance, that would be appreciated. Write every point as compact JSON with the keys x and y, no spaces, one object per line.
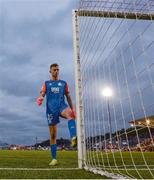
{"x":72,"y":127}
{"x":53,"y":151}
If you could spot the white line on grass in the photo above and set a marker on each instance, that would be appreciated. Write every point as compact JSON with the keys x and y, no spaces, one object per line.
{"x":39,"y":169}
{"x":58,"y":169}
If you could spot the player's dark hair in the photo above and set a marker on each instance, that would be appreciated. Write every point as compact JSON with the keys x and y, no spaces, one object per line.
{"x":53,"y":65}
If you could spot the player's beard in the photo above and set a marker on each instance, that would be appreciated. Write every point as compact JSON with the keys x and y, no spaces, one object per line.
{"x":55,"y":76}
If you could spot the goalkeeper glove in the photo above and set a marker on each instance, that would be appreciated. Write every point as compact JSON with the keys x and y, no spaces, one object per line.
{"x":39,"y":101}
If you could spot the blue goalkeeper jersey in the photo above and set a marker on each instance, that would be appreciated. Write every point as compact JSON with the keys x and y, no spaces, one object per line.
{"x":55,"y":95}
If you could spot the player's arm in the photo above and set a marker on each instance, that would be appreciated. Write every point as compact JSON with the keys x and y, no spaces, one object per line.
{"x":69,"y":100}
{"x":68,"y":97}
{"x":42,"y":95}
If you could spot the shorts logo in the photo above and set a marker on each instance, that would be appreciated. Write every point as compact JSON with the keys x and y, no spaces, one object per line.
{"x":50,"y":117}
{"x":55,"y":89}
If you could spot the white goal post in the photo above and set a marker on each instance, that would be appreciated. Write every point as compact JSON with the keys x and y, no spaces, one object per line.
{"x":114,"y":77}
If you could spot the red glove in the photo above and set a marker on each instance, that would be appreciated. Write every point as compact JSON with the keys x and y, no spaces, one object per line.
{"x":39,"y":101}
{"x":74,"y":113}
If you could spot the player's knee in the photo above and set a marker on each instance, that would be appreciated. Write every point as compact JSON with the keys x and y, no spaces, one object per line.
{"x":70,"y":118}
{"x":70,"y":115}
{"x":67,"y":113}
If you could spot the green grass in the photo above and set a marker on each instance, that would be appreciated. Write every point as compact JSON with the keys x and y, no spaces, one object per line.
{"x":68,"y":159}
{"x":130,"y":161}
{"x":128,"y":158}
{"x":41,"y":159}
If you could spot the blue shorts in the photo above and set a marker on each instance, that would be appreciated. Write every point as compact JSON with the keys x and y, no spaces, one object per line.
{"x":53,"y":117}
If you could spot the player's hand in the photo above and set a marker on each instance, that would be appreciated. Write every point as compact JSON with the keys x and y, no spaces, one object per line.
{"x":73,"y":113}
{"x":39,"y":101}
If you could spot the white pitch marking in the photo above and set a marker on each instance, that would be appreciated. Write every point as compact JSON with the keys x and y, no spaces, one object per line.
{"x":39,"y":169}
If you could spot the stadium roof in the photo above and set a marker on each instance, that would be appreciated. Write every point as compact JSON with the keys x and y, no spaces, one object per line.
{"x":146,"y":121}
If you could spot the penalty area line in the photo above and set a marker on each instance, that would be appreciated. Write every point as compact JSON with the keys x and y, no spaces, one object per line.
{"x":39,"y":169}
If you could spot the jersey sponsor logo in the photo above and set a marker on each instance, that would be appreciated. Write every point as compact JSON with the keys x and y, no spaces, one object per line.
{"x":55,"y":89}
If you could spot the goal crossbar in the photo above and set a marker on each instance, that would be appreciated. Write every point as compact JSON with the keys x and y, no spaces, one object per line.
{"x":110,"y":14}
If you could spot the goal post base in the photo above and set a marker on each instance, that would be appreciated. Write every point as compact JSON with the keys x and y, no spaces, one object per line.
{"x":104,"y":173}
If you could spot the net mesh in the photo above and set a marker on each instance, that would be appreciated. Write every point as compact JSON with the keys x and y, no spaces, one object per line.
{"x":141,"y":6}
{"x":117,"y":53}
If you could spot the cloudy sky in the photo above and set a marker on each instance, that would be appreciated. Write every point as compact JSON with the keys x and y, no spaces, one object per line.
{"x":33,"y":34}
{"x":36,"y":33}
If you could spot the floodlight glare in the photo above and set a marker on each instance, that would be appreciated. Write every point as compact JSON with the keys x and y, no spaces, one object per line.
{"x":147,"y":121}
{"x":107,"y":92}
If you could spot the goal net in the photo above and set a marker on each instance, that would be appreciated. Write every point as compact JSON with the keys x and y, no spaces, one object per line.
{"x":114,"y":58}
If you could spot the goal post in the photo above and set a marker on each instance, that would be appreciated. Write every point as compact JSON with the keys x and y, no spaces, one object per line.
{"x":79,"y":105}
{"x":114,"y":77}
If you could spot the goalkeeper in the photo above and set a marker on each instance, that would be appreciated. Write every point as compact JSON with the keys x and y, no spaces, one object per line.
{"x":55,"y":90}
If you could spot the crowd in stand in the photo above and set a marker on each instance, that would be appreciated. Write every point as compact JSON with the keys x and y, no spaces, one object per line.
{"x":146,"y":145}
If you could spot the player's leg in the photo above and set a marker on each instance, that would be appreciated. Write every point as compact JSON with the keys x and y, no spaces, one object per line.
{"x":53,"y":144}
{"x":68,"y":114}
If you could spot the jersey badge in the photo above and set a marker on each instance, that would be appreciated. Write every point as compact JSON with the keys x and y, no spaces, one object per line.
{"x":59,"y":84}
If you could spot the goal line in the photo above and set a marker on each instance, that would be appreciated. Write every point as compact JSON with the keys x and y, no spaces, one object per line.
{"x":39,"y":169}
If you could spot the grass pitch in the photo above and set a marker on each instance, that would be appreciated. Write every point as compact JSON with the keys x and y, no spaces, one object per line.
{"x":131,"y":164}
{"x":36,"y":161}
{"x":34,"y":165}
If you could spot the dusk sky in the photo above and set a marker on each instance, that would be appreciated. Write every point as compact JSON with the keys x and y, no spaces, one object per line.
{"x":33,"y":35}
{"x":37,"y":33}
